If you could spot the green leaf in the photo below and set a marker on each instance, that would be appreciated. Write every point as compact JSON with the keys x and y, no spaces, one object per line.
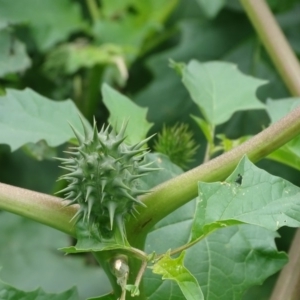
{"x":249,"y":195}
{"x":130,"y":30}
{"x":220,"y":89}
{"x":206,"y":128}
{"x":231,"y":260}
{"x":50,"y":21}
{"x":13,"y":56}
{"x":211,"y":8}
{"x":225,"y":263}
{"x":8,"y":292}
{"x":122,"y":109}
{"x":36,"y":262}
{"x":27,"y":117}
{"x":166,"y":97}
{"x":40,"y":150}
{"x":89,"y":239}
{"x":69,"y":58}
{"x":288,"y":154}
{"x":174,"y":269}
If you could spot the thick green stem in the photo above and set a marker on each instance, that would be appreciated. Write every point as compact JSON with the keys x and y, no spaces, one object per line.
{"x":172,"y":194}
{"x":45,"y":209}
{"x":166,"y":197}
{"x":275,"y":43}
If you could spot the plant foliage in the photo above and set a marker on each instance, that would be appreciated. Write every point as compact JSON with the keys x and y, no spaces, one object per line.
{"x":197,"y":64}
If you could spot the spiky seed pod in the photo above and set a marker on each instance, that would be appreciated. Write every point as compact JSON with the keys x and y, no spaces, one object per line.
{"x":177,"y":142}
{"x":103,"y":177}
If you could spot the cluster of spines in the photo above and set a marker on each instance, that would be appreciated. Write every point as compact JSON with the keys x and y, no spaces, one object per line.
{"x":103,"y":177}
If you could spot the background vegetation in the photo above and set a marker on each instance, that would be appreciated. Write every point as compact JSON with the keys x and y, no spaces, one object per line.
{"x":67,"y":49}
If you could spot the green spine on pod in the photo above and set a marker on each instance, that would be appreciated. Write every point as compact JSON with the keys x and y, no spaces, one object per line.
{"x":103,"y":177}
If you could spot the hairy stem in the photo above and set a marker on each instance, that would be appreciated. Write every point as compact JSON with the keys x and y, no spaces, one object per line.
{"x":39,"y":207}
{"x":172,"y":194}
{"x":275,"y":43}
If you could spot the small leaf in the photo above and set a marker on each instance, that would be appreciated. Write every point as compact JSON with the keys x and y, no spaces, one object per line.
{"x":40,"y":150}
{"x":13,"y":56}
{"x":174,"y":269}
{"x":220,"y":89}
{"x":8,"y":292}
{"x":36,"y":118}
{"x":89,"y":239}
{"x":249,"y":195}
{"x":133,"y":289}
{"x":206,"y":128}
{"x":123,"y":109}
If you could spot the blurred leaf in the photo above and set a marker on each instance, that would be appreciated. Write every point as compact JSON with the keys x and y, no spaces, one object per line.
{"x":36,"y":262}
{"x":277,"y":109}
{"x":249,"y":195}
{"x":290,"y":22}
{"x":288,"y":154}
{"x":69,"y":58}
{"x":211,"y":8}
{"x":26,"y":116}
{"x":228,"y":144}
{"x":39,"y":150}
{"x":8,"y":292}
{"x":200,"y":40}
{"x":13,"y":56}
{"x":174,"y":269}
{"x":129,"y":23}
{"x":122,"y":109}
{"x":50,"y":21}
{"x":219,"y":89}
{"x":205,"y":127}
{"x":109,"y":296}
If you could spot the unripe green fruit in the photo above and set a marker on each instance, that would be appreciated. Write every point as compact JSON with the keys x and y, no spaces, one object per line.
{"x":103,"y":177}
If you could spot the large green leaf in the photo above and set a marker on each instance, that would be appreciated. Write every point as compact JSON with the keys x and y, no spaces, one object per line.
{"x":50,"y":21}
{"x":122,"y":109}
{"x":288,"y":154}
{"x":226,"y":262}
{"x":174,"y":269}
{"x":249,"y":195}
{"x":231,"y":260}
{"x":13,"y":56}
{"x":34,"y":260}
{"x":27,"y":117}
{"x":8,"y":292}
{"x":220,"y":89}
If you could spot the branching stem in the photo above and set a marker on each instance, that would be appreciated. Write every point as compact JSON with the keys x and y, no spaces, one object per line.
{"x":172,"y":194}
